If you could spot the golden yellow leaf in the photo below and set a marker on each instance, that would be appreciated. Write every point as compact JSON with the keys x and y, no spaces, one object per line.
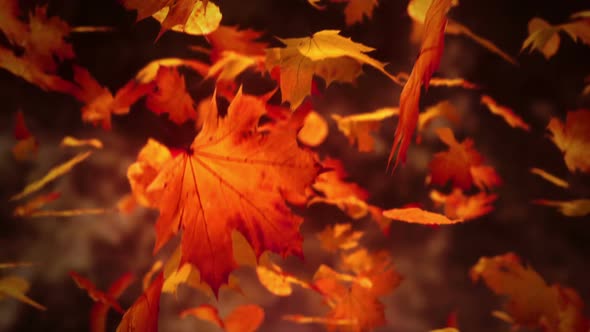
{"x":16,"y":287}
{"x":70,"y":141}
{"x":550,"y":177}
{"x":53,"y":174}
{"x":419,"y":216}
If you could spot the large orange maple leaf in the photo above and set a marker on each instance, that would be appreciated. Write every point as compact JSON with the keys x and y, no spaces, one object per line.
{"x":238,"y":175}
{"x":430,"y":54}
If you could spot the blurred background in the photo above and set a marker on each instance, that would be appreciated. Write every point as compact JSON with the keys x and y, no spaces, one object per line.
{"x":434,"y":261}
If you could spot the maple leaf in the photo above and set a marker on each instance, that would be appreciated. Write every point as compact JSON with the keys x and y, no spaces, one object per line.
{"x":428,"y":61}
{"x":244,"y":318}
{"x":95,"y":293}
{"x":358,"y":128}
{"x":193,"y":17}
{"x":143,"y":314}
{"x":229,"y":38}
{"x":339,"y":237}
{"x":347,"y":196}
{"x":506,"y":113}
{"x":100,"y":103}
{"x":573,"y":208}
{"x":99,"y":311}
{"x":419,"y":216}
{"x":171,"y":96}
{"x":236,"y":175}
{"x":550,"y":177}
{"x":532,"y":303}
{"x":544,"y":37}
{"x":196,"y":17}
{"x":459,"y":206}
{"x":461,"y":164}
{"x":16,"y":287}
{"x":32,"y":73}
{"x":573,"y":139}
{"x":326,"y":54}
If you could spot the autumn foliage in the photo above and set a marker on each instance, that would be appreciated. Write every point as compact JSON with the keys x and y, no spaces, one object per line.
{"x":235,"y":196}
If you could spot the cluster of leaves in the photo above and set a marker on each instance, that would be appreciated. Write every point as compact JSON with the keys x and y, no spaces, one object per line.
{"x":230,"y":194}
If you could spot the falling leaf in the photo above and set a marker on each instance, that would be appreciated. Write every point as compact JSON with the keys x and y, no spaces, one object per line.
{"x":326,"y":54}
{"x":244,"y":318}
{"x":95,"y":293}
{"x":532,"y":303}
{"x":347,"y":196}
{"x":573,"y":139}
{"x":359,"y":128}
{"x":550,"y":177}
{"x":276,"y":281}
{"x":574,"y":208}
{"x":100,"y":104}
{"x":544,"y":37}
{"x":506,"y":113}
{"x":459,"y":206}
{"x":99,"y":311}
{"x":231,"y":64}
{"x":193,"y":17}
{"x":31,"y":73}
{"x":456,"y":163}
{"x":147,"y":278}
{"x":356,"y":10}
{"x":33,"y":205}
{"x":150,"y":71}
{"x":419,"y":216}
{"x":235,"y":176}
{"x":53,"y":174}
{"x":228,"y":38}
{"x":339,"y":237}
{"x":70,"y":141}
{"x":428,"y":61}
{"x":171,"y":96}
{"x":314,"y":130}
{"x":142,"y":316}
{"x":485,"y":177}
{"x":453,"y":82}
{"x":446,"y":329}
{"x":16,"y":287}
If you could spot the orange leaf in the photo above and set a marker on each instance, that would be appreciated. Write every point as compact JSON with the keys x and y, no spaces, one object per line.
{"x":339,"y":237}
{"x":356,"y":10}
{"x":419,"y":216}
{"x":171,"y":96}
{"x":27,"y":145}
{"x":94,"y":293}
{"x":573,"y":139}
{"x":532,"y":303}
{"x":461,"y":164}
{"x":428,"y":61}
{"x":99,"y":311}
{"x":459,"y":206}
{"x":506,"y":113}
{"x":314,"y":130}
{"x":228,"y":38}
{"x":142,"y":316}
{"x":236,"y":175}
{"x":347,"y":196}
{"x":276,"y":281}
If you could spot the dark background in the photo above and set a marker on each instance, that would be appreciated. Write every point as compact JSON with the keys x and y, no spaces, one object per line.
{"x":434,"y":261}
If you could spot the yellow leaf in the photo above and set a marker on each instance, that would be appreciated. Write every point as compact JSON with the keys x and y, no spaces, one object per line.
{"x":70,"y":141}
{"x":550,"y":177}
{"x":16,"y":288}
{"x":53,"y":174}
{"x":574,"y":208}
